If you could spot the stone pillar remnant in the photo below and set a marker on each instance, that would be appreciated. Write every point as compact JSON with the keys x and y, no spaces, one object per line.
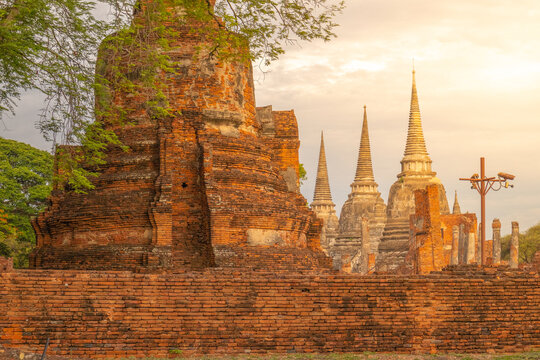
{"x":478,"y":253}
{"x":514,"y":246}
{"x":454,"y":259}
{"x":365,"y":245}
{"x":471,"y":247}
{"x":371,"y":262}
{"x":496,"y":226}
{"x":488,"y":252}
{"x":462,"y":254}
{"x":426,"y":244}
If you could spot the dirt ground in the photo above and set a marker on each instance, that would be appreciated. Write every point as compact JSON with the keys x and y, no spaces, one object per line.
{"x":11,"y":354}
{"x":381,"y":356}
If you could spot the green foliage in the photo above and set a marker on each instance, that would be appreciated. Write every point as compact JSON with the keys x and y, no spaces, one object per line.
{"x":52,"y":46}
{"x":25,"y":184}
{"x":268,"y":24}
{"x":175,"y":351}
{"x":302,"y":173}
{"x":49,"y":45}
{"x":529,"y":244}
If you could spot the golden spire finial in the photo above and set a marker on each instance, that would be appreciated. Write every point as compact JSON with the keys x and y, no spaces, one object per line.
{"x":364,"y":167}
{"x":322,"y":185}
{"x":415,"y":137}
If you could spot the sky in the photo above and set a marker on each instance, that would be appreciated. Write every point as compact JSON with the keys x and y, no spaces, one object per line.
{"x":478,"y":78}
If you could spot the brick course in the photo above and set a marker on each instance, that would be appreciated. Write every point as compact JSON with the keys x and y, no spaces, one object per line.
{"x":105,"y":314}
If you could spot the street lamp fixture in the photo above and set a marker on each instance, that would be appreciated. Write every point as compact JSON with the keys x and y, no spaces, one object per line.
{"x":483,"y":184}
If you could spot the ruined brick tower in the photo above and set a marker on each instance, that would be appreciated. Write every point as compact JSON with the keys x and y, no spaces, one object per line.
{"x":415,"y":174}
{"x":322,"y":203}
{"x":211,"y":184}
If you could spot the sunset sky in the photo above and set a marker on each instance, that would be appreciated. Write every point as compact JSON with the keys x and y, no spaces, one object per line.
{"x":478,"y":78}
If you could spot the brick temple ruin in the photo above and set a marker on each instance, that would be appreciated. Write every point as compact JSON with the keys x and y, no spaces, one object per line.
{"x":215,"y":184}
{"x":197,"y":241}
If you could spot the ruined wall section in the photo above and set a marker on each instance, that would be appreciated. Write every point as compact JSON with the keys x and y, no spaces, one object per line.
{"x":280,"y":132}
{"x":122,"y":314}
{"x":433,"y":241}
{"x":112,"y":223}
{"x":255,"y":203}
{"x":395,"y":244}
{"x":467,"y":227}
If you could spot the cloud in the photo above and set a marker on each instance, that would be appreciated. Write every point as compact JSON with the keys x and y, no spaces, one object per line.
{"x":478,"y":80}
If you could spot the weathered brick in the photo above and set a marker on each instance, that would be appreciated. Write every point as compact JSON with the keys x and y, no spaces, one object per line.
{"x":215,"y":174}
{"x":463,"y":308}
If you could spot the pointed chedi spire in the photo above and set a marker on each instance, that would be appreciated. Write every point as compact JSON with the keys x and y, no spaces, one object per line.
{"x":364,"y":202}
{"x":322,"y":185}
{"x":322,"y":204}
{"x":416,"y":144}
{"x":416,"y":161}
{"x":415,"y":174}
{"x":364,"y":167}
{"x":456,"y":210}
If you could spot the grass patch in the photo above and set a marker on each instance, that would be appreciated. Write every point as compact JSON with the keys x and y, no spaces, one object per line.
{"x":366,"y":355}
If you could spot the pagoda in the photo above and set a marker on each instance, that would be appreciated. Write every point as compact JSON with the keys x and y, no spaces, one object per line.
{"x":322,"y":204}
{"x":416,"y":173}
{"x":363,"y":203}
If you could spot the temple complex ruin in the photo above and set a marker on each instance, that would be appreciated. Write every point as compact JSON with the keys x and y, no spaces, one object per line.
{"x":387,"y":236}
{"x":220,"y":253}
{"x":415,"y":233}
{"x":213,"y":184}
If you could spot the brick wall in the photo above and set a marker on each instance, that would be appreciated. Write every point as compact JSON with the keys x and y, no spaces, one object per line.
{"x":104,"y":314}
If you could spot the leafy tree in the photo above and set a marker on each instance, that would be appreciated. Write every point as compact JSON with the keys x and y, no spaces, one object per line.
{"x":25,"y":184}
{"x":51,"y":46}
{"x":302,"y":173}
{"x":529,"y":244}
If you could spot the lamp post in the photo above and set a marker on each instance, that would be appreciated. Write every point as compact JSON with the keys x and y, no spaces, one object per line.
{"x":483,"y":184}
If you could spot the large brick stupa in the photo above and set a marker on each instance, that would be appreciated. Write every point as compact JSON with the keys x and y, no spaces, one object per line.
{"x":215,"y":183}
